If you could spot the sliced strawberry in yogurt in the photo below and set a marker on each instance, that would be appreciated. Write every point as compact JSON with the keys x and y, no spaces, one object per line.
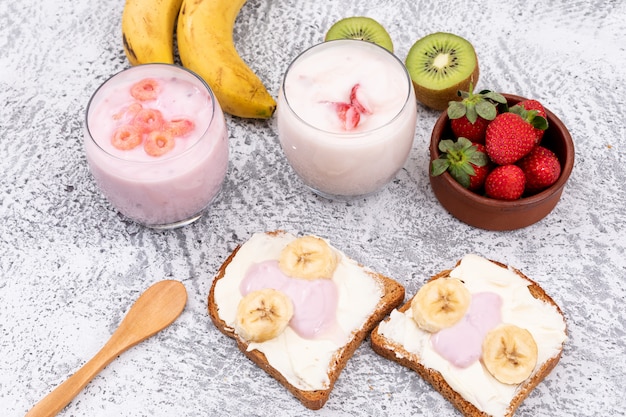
{"x":348,"y":115}
{"x":359,"y":101}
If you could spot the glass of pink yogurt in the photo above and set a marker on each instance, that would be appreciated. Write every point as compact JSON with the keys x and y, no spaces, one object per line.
{"x":346,"y":117}
{"x":157,"y":144}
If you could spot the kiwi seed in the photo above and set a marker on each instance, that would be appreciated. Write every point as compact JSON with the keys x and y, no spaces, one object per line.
{"x":360,"y":28}
{"x":440,"y":64}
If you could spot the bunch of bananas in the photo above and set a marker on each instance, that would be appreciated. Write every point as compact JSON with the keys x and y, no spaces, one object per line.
{"x":205,"y":44}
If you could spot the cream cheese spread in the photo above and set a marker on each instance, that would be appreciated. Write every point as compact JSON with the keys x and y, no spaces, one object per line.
{"x":474,"y":383}
{"x":304,"y":362}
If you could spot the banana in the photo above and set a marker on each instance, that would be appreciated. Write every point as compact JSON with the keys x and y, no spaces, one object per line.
{"x":148,"y":30}
{"x":263,"y":315}
{"x":205,"y":46}
{"x":308,"y":257}
{"x":509,"y":353}
{"x":440,"y":303}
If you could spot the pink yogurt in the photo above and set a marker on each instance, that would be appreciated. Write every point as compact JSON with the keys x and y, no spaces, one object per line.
{"x":314,"y":301}
{"x":461,"y":344}
{"x":158,"y":191}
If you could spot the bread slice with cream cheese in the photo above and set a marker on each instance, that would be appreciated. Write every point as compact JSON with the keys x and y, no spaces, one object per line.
{"x":313,"y":363}
{"x":472,"y":390}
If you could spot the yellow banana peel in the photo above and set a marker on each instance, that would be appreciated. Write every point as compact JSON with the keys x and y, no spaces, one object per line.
{"x":148,"y":30}
{"x":206,"y":46}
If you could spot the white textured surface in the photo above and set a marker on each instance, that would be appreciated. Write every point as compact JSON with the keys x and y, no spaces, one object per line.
{"x":70,"y":267}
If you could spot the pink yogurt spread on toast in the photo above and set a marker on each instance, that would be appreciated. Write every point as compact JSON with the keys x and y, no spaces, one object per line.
{"x":461,"y":344}
{"x":314,"y":301}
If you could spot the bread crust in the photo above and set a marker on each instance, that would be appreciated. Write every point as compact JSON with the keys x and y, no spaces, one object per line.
{"x":397,"y":353}
{"x":393,"y":296}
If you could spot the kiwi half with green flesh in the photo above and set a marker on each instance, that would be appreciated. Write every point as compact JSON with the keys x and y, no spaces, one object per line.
{"x":360,"y":28}
{"x":440,"y":64}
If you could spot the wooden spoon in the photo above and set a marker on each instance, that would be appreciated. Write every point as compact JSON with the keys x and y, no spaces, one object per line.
{"x":153,"y":311}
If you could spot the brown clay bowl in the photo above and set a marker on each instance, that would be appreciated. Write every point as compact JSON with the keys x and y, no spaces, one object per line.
{"x":491,"y":214}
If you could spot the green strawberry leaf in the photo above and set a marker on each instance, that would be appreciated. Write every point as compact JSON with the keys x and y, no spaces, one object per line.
{"x":459,"y":158}
{"x":468,"y":169}
{"x":486,"y":110}
{"x":456,"y":110}
{"x":464,"y":144}
{"x":472,"y":105}
{"x":539,"y":122}
{"x":520,"y":111}
{"x":492,"y":95}
{"x":446,"y":145}
{"x":480,"y":159}
{"x":471,"y":114}
{"x":461,"y":175}
{"x":531,"y":116}
{"x":439,"y":166}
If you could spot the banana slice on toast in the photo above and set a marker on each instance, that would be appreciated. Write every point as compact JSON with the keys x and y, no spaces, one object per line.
{"x":308,"y":257}
{"x":440,"y":303}
{"x":263,"y":314}
{"x":509,"y":353}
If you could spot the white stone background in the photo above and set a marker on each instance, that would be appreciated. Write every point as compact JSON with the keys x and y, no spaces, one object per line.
{"x":70,"y":267}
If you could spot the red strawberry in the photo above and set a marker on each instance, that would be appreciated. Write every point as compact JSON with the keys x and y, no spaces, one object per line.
{"x":480,"y":172}
{"x":506,"y":182}
{"x":358,"y":101}
{"x":541,"y":167}
{"x":467,"y":162}
{"x":348,"y":115}
{"x":533,"y":105}
{"x":470,"y":116}
{"x":535,"y":114}
{"x":509,"y":138}
{"x":475,"y":132}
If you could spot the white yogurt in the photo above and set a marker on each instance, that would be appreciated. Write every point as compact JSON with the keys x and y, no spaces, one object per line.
{"x":338,"y":158}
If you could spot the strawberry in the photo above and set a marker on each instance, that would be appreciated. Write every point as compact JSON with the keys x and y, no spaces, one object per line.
{"x":509,"y":138}
{"x":470,"y":116}
{"x":533,"y":105}
{"x":475,"y":132}
{"x":534,"y":113}
{"x":541,"y":168}
{"x":467,"y":162}
{"x":350,"y":113}
{"x":506,"y":182}
{"x":358,"y":101}
{"x":480,"y":172}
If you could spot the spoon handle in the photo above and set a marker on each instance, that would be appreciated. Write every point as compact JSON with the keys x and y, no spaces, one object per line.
{"x":62,"y":395}
{"x":154,"y":310}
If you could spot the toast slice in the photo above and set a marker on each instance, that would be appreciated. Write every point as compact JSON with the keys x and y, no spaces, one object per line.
{"x":364,"y":299}
{"x":473,"y":391}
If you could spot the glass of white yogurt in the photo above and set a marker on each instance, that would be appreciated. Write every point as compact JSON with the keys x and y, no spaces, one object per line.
{"x":346,"y":117}
{"x":157,"y":144}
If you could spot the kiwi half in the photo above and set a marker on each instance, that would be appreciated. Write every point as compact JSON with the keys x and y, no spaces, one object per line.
{"x":440,"y":64}
{"x":360,"y":28}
